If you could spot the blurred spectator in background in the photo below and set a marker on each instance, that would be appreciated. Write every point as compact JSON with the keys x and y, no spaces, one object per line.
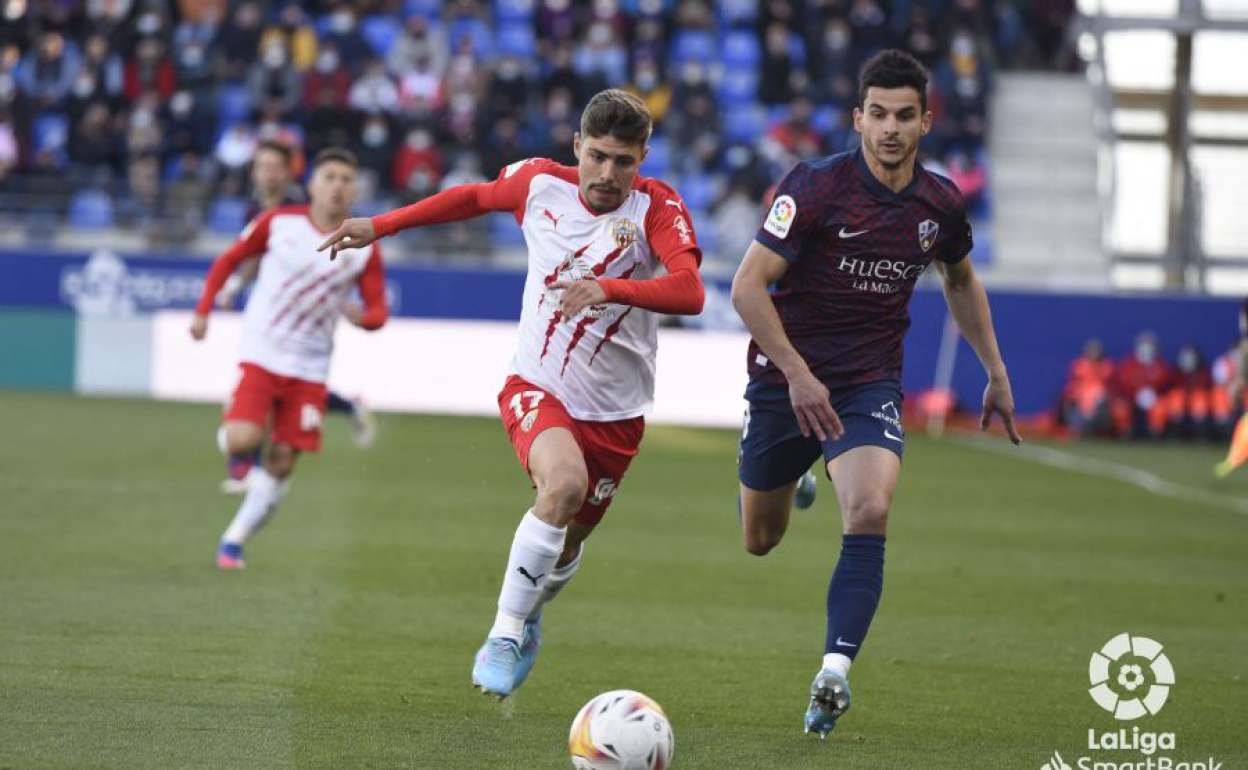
{"x":328,"y":83}
{"x":506,"y":91}
{"x":418,"y":166}
{"x":48,"y":69}
{"x":1086,"y":397}
{"x":374,"y":148}
{"x":794,"y":138}
{"x":295,"y":34}
{"x":344,"y":34}
{"x":601,"y":54}
{"x":1185,"y":405}
{"x":417,"y":47}
{"x":374,"y":91}
{"x":94,"y":149}
{"x":273,"y":85}
{"x":238,"y":41}
{"x":1140,"y":380}
{"x":150,"y":71}
{"x":648,"y":84}
{"x":553,"y":130}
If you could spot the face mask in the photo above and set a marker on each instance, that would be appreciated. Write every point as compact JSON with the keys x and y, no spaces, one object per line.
{"x":192,"y":56}
{"x":418,"y":140}
{"x":149,"y":24}
{"x":342,"y":21}
{"x":1145,"y":353}
{"x":647,"y":80}
{"x":84,"y":84}
{"x":180,"y":104}
{"x":1187,"y":360}
{"x":274,"y":57}
{"x":375,"y":135}
{"x":142,"y":120}
{"x":327,"y":62}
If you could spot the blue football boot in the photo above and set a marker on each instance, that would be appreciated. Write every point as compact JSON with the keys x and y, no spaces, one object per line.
{"x":494,"y":672}
{"x":829,"y":698}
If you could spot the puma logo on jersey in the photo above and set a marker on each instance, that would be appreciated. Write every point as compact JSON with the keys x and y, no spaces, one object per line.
{"x":547,"y":213}
{"x":671,"y":202}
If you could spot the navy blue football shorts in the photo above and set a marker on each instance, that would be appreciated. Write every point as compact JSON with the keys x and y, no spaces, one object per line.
{"x":775,"y":453}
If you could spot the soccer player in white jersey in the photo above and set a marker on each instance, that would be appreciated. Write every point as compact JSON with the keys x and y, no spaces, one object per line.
{"x":583,"y":373}
{"x":288,"y":334}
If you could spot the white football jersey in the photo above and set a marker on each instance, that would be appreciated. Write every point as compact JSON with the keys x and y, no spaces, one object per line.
{"x":600,"y":363}
{"x":289,"y":322}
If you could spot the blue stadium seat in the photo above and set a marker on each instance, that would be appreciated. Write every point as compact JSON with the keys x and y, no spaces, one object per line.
{"x":233,"y":104}
{"x":51,"y":132}
{"x":704,"y":228}
{"x":482,"y":43}
{"x":693,"y":45}
{"x":738,"y":87}
{"x":797,"y":50}
{"x":741,"y":48}
{"x":515,"y":39}
{"x":825,"y":119}
{"x":738,"y":13}
{"x":227,"y":215}
{"x":380,"y":32}
{"x":698,"y":190}
{"x":659,"y":159}
{"x":91,"y":210}
{"x":513,"y":11}
{"x":430,"y":9}
{"x":745,"y":123}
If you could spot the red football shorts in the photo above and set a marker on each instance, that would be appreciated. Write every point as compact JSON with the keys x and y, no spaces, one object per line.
{"x":297,"y":406}
{"x":608,"y":447}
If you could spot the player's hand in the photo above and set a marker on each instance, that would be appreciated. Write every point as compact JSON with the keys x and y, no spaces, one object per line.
{"x":355,"y":233}
{"x":998,"y":398}
{"x":578,"y":295}
{"x":813,"y":407}
{"x":353,"y":313}
{"x":199,"y":327}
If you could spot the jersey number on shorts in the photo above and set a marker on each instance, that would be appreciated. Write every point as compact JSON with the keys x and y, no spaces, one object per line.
{"x":309,"y":418}
{"x":517,"y":401}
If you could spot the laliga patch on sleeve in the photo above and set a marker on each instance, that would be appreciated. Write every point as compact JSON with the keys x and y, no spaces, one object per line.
{"x":781,"y":217}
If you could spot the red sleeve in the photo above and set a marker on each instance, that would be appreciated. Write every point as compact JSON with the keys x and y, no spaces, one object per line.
{"x":679,"y":292}
{"x":373,"y":291}
{"x":253,"y":242}
{"x":673,"y":241}
{"x":507,"y":193}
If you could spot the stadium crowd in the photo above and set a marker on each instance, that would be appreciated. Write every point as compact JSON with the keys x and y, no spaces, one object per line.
{"x":1144,"y":396}
{"x":129,"y":112}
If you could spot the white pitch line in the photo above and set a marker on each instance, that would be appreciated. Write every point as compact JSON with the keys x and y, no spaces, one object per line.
{"x":1091,"y":466}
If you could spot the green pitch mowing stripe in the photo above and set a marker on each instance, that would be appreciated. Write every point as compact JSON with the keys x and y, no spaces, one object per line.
{"x":347,"y":643}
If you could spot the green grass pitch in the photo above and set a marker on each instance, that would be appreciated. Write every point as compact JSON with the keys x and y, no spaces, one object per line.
{"x":347,"y":642}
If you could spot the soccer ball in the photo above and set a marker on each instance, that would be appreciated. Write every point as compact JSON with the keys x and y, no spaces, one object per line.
{"x":621,"y":730}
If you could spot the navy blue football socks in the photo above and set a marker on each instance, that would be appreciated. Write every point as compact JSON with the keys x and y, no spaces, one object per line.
{"x":854,"y":593}
{"x":337,"y":403}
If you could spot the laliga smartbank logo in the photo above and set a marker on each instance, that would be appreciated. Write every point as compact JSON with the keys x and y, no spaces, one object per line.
{"x":1124,"y":660}
{"x":1131,"y":678}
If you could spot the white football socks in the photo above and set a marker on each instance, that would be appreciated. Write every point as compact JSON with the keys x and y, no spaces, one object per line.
{"x":559,"y":577}
{"x":264,"y":492}
{"x":534,"y":551}
{"x":837,"y":662}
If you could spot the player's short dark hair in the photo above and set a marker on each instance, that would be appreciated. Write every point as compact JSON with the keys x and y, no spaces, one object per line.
{"x":334,"y":154}
{"x":279,"y":147}
{"x":892,"y":68}
{"x":617,"y":114}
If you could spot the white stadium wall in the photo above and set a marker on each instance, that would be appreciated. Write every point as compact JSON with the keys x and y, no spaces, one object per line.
{"x":447,"y":367}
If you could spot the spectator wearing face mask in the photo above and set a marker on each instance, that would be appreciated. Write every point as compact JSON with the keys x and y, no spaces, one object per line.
{"x":150,"y":71}
{"x":328,"y":83}
{"x":1086,"y":402}
{"x":418,"y":166}
{"x":374,"y":147}
{"x":296,"y":34}
{"x":273,"y":85}
{"x":239,"y":39}
{"x":649,"y":86}
{"x":1140,"y":380}
{"x":374,"y":91}
{"x":417,"y":47}
{"x":47,"y":72}
{"x":344,"y":33}
{"x":1184,"y":408}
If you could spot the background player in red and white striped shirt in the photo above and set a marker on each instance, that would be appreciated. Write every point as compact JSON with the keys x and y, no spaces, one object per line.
{"x":583,"y":374}
{"x":288,"y":333}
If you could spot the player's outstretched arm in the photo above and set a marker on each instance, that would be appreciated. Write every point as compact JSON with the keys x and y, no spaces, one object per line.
{"x":968,"y":302}
{"x":761,"y":268}
{"x":252,"y":243}
{"x":461,"y":202}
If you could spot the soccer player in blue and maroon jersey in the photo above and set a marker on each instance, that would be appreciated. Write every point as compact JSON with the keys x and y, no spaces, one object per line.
{"x":843,"y":244}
